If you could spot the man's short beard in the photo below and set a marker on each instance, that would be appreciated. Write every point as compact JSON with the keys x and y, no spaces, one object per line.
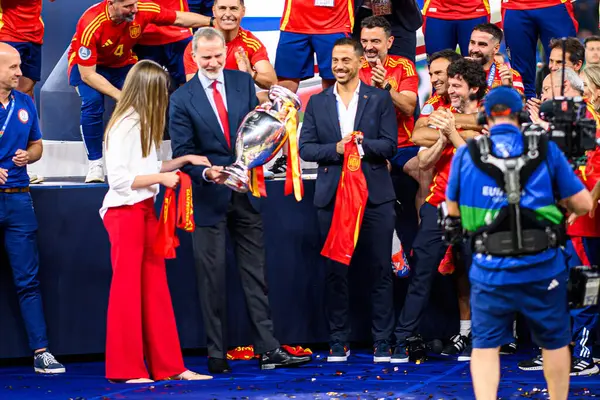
{"x":210,"y":75}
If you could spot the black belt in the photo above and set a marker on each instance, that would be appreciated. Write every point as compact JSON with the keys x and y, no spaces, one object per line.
{"x":15,"y":190}
{"x":501,"y":243}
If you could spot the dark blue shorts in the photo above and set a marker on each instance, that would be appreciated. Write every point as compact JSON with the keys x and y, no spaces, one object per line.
{"x":295,"y":58}
{"x":169,"y":56}
{"x":31,"y":59}
{"x":542,"y":303}
{"x":403,"y":155}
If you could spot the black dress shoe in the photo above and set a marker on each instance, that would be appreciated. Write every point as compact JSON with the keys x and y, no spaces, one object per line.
{"x":218,"y":366}
{"x":279,"y":358}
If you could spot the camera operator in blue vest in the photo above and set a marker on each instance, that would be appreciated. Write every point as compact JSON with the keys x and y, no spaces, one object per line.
{"x":516,"y":230}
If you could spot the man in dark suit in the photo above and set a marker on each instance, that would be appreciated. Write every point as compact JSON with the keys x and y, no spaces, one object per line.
{"x":205,"y":115}
{"x":331,"y":116}
{"x":405,"y":19}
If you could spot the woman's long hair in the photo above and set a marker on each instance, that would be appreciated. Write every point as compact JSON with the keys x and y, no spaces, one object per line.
{"x":591,"y":76}
{"x":146,"y":90}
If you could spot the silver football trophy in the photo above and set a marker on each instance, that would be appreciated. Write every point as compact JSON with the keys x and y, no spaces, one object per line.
{"x":261,"y":135}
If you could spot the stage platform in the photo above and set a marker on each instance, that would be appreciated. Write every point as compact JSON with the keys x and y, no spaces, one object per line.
{"x":75,"y":276}
{"x":437,"y":378}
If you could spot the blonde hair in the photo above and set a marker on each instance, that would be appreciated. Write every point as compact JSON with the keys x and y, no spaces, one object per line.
{"x":591,"y":74}
{"x":146,"y":90}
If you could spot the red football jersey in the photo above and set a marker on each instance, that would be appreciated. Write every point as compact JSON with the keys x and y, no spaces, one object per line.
{"x":303,"y":16}
{"x":517,"y":79}
{"x":21,"y":21}
{"x":532,"y":4}
{"x":437,"y":189}
{"x":99,"y":41}
{"x":350,"y":202}
{"x":434,"y":103}
{"x":402,"y":75}
{"x":589,"y":174}
{"x":155,"y":35}
{"x":456,"y":9}
{"x":253,"y":47}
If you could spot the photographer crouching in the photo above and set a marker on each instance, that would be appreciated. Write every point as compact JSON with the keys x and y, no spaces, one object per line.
{"x":511,"y":216}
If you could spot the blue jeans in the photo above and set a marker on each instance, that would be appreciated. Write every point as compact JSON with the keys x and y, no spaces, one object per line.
{"x":19,"y":225}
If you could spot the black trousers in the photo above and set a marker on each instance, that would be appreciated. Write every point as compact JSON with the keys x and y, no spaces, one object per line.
{"x":244,"y":224}
{"x":407,"y":223}
{"x":374,"y":252}
{"x":428,"y":251}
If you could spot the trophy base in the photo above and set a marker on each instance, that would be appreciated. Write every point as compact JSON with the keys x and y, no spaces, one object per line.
{"x":238,"y":178}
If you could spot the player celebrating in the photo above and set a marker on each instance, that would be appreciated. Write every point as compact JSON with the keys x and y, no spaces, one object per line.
{"x":465,"y":87}
{"x":398,"y":76}
{"x":483,"y":46}
{"x":101,"y":55}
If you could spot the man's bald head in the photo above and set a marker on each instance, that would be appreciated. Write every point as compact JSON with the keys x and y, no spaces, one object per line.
{"x":10,"y":67}
{"x":7,"y":49}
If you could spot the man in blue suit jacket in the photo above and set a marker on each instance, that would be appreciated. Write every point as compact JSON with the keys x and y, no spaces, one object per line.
{"x":330,"y":118}
{"x":205,"y":115}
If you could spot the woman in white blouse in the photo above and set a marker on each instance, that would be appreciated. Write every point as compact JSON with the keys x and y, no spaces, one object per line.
{"x":141,"y":323}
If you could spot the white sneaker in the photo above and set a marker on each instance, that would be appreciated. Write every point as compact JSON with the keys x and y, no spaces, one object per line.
{"x":35,"y":179}
{"x":95,"y":172}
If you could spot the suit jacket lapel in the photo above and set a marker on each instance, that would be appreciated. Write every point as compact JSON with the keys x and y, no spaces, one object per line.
{"x":203,"y":108}
{"x":232,"y":90}
{"x":332,"y":112}
{"x":363,"y":98}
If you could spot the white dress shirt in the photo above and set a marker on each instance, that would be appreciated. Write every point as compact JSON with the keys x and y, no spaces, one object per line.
{"x":208,"y":89}
{"x":124,"y":161}
{"x":346,"y":116}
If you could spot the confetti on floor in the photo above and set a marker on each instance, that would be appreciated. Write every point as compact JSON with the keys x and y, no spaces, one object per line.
{"x":359,"y":378}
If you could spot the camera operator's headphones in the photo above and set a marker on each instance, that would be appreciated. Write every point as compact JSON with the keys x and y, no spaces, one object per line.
{"x":505,"y":95}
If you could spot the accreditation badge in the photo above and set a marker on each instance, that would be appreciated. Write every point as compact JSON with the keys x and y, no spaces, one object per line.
{"x":381,"y":7}
{"x":324,"y":3}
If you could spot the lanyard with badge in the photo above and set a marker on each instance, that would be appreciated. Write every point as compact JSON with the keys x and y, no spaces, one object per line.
{"x":8,"y":117}
{"x":491,"y":76}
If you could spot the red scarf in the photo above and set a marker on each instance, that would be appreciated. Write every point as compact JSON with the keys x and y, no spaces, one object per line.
{"x":350,"y":202}
{"x":182,"y":217}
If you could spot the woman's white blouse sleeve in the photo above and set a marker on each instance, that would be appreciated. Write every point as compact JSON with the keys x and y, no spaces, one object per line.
{"x":123,"y":154}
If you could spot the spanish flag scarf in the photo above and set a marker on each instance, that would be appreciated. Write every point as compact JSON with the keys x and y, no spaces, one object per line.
{"x":181,"y":216}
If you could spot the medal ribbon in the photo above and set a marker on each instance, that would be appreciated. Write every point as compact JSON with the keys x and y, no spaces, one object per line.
{"x":293,"y":176}
{"x":171,"y":215}
{"x":491,"y":76}
{"x":9,"y":116}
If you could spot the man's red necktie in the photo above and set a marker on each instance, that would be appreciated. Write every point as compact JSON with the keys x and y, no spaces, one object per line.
{"x":222,"y":111}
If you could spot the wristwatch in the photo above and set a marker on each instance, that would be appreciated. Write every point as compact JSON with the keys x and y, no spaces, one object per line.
{"x":388,"y":87}
{"x":212,"y":22}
